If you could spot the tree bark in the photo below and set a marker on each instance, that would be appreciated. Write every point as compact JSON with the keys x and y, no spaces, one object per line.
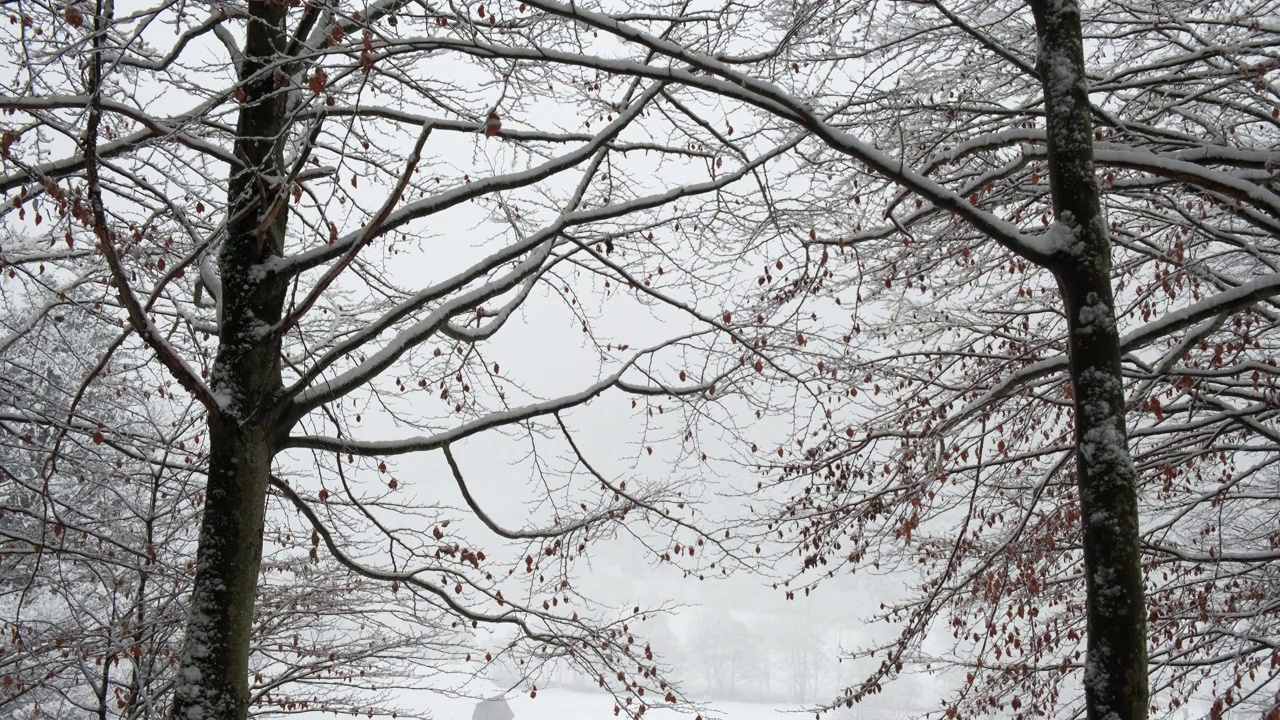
{"x":1115,"y":681}
{"x":213,"y":681}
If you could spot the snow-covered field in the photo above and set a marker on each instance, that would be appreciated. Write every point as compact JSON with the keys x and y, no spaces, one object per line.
{"x":569,"y":705}
{"x":556,"y":703}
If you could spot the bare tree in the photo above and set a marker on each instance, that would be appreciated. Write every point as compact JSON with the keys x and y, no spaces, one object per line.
{"x":233,"y":190}
{"x":743,"y":235}
{"x":945,"y":443}
{"x":731,"y":658}
{"x":806,"y":647}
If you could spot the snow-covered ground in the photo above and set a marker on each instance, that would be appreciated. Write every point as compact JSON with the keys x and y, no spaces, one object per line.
{"x":569,"y":705}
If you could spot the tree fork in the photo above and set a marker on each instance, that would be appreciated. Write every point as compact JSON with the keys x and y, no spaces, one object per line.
{"x":213,"y":681}
{"x":1115,"y":681}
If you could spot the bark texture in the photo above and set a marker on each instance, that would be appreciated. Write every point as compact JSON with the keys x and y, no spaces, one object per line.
{"x":213,"y":683}
{"x":1116,"y":669}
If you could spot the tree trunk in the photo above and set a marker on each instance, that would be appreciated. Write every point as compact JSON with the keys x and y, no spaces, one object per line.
{"x":213,"y":682}
{"x":1115,"y":680}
